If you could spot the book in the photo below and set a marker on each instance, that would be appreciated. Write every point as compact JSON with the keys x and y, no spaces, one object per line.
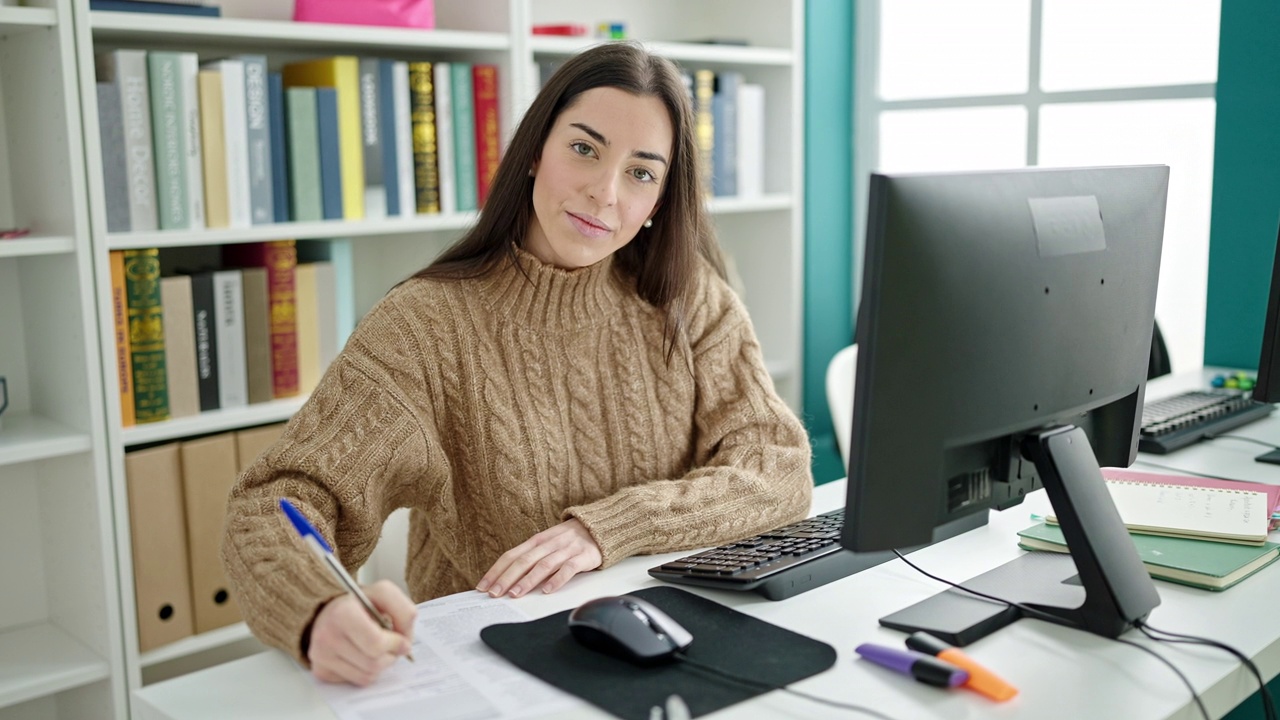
{"x":372,"y":140}
{"x":342,"y":74}
{"x":189,"y":92}
{"x":1223,"y":514}
{"x":308,"y":324}
{"x":444,"y":138}
{"x":257,"y":334}
{"x":1272,"y":491}
{"x":115,"y":172}
{"x":464,"y":140}
{"x":147,"y":6}
{"x":235,"y":138}
{"x":750,"y":142}
{"x":146,"y":334}
{"x":168,"y":126}
{"x":127,"y":70}
{"x":332,"y":183}
{"x":485,"y":106}
{"x":404,"y":137}
{"x":120,"y":323}
{"x":279,"y":155}
{"x":202,"y":304}
{"x":426,"y":169}
{"x":257,"y":111}
{"x":704,"y":83}
{"x":724,"y":116}
{"x":306,"y":202}
{"x":179,"y":346}
{"x":1198,"y":563}
{"x":217,"y":210}
{"x":280,"y":258}
{"x":228,"y":320}
{"x":387,"y":135}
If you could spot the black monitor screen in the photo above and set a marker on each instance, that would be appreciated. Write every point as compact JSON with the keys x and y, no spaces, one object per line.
{"x":997,"y":305}
{"x":1267,"y":388}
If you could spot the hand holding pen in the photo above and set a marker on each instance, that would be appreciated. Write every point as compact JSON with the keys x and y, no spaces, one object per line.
{"x":344,"y":645}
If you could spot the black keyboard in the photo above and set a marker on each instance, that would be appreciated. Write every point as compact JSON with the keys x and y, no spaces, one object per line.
{"x":1181,"y":420}
{"x":776,"y":564}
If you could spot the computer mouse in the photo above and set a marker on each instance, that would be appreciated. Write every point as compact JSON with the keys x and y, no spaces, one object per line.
{"x":629,"y":628}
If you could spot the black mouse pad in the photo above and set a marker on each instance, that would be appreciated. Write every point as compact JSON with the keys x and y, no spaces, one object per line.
{"x":723,"y":638}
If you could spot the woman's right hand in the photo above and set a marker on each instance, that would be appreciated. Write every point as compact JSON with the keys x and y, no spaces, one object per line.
{"x":349,"y":646}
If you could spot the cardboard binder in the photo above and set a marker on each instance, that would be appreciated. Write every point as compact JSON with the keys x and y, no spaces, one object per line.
{"x":253,"y":442}
{"x":208,"y":472}
{"x":159,"y":538}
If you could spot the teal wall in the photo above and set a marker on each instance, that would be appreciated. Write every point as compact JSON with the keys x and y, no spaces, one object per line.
{"x":1246,"y":182}
{"x":828,"y":163}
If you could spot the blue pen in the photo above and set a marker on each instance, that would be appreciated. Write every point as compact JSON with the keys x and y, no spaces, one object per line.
{"x":322,"y":550}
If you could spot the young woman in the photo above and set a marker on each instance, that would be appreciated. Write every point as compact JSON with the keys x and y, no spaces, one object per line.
{"x":572,"y":383}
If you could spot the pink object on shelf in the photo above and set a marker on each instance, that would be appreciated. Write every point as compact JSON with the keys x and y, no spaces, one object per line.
{"x":394,"y":13}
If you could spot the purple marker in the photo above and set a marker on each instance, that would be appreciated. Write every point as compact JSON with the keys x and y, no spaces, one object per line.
{"x":925,"y":668}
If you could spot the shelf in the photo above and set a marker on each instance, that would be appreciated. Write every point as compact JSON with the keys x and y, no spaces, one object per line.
{"x":195,"y":644}
{"x":26,"y":438}
{"x":36,"y":245}
{"x":213,"y":421}
{"x":277,"y":34}
{"x":40,"y":660}
{"x":680,"y":52}
{"x":294,"y":230}
{"x":763,"y":203}
{"x":15,"y":20}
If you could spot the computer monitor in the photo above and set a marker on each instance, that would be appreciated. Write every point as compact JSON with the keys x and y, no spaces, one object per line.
{"x":1003,"y":339}
{"x":1267,"y":388}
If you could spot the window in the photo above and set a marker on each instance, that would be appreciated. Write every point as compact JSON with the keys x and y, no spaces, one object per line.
{"x":990,"y":84}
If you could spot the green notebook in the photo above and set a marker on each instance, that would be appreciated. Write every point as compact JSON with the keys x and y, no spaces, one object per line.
{"x":1200,"y":563}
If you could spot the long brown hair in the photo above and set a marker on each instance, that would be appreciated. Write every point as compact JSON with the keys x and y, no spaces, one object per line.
{"x":661,"y":259}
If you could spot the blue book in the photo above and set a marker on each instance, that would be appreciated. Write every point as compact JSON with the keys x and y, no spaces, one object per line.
{"x":154,"y":7}
{"x":387,"y":125}
{"x":330,"y":156}
{"x":279,"y":163}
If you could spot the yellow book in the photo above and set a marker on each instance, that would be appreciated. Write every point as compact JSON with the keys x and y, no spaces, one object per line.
{"x":341,"y":73}
{"x":309,"y":369}
{"x":120,"y":319}
{"x":217,"y":208}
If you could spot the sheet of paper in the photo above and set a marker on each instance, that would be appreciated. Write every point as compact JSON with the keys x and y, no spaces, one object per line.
{"x":455,"y":676}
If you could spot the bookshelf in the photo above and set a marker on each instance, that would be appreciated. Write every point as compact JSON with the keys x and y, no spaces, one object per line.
{"x":60,"y":634}
{"x":62,"y":446}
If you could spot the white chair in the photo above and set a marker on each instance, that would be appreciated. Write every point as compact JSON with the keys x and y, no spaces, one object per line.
{"x":840,"y":373}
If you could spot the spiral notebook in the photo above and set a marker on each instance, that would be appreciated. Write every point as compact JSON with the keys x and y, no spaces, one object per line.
{"x":1202,"y":508}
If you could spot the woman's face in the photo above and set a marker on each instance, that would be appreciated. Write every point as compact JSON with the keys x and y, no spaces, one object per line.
{"x":599,"y":177}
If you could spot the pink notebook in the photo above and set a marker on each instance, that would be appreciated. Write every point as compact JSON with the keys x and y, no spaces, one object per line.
{"x":1272,"y":491}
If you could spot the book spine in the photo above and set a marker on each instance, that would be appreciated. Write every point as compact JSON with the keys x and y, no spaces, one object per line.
{"x":203,"y":303}
{"x":150,"y":7}
{"x":404,"y":138}
{"x":257,"y":334}
{"x":375,"y":183}
{"x":464,"y":146}
{"x":128,"y":69}
{"x":304,"y":156}
{"x":257,"y":122}
{"x":725,"y":152}
{"x":751,"y":140}
{"x":444,"y":139}
{"x":332,"y":177}
{"x":115,"y":164}
{"x":146,"y":334}
{"x":235,"y":132}
{"x":488,"y":150}
{"x":279,"y":143}
{"x":214,"y":149}
{"x":120,"y":322}
{"x":228,"y":315}
{"x":704,"y":124}
{"x":308,"y":328}
{"x":387,"y":134}
{"x":281,"y":261}
{"x":179,"y":346}
{"x":169,"y":140}
{"x":423,"y":115}
{"x":189,"y":90}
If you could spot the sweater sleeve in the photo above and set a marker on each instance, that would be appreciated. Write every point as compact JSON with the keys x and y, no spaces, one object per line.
{"x":358,"y":449}
{"x":751,"y":470}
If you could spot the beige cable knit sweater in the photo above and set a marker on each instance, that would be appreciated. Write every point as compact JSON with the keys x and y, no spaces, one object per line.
{"x":496,"y":408}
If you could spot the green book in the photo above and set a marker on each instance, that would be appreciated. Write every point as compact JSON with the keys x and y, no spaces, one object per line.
{"x":1199,"y":563}
{"x":146,"y":334}
{"x":169,"y":135}
{"x":464,"y":136}
{"x":304,"y":154}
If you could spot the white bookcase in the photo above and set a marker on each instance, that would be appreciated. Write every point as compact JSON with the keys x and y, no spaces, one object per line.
{"x":61,"y":641}
{"x":68,"y":635}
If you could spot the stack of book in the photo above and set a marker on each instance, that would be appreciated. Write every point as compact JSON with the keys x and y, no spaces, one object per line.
{"x":1202,"y":532}
{"x":228,"y":143}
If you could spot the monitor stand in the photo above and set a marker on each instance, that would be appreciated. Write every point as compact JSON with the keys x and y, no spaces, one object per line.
{"x":1102,"y":586}
{"x":1272,"y":457}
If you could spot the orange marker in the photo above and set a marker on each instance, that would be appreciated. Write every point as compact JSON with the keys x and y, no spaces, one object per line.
{"x":981,"y":680}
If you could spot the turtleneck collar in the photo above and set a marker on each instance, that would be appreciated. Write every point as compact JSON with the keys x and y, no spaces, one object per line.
{"x":552,"y":297}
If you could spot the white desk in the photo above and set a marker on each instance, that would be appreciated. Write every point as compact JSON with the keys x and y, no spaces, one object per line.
{"x":1061,"y":673}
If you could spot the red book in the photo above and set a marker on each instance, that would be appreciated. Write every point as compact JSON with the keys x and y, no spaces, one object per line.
{"x":485,"y":91}
{"x":572,"y":29}
{"x":280,"y":258}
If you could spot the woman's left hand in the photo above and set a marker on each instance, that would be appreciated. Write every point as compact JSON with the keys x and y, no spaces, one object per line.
{"x":547,"y":559}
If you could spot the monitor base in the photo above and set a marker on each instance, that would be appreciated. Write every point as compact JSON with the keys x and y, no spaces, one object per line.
{"x":1272,"y":457}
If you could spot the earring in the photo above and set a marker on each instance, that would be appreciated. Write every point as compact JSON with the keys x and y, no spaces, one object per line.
{"x":530,"y":172}
{"x":648,"y":223}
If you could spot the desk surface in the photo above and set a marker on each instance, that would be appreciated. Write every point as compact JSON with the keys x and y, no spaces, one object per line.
{"x":1061,"y":673}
